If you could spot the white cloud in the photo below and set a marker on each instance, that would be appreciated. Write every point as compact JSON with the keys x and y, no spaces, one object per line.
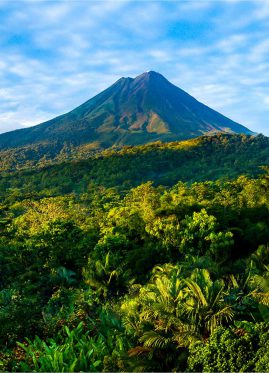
{"x":266,"y":100}
{"x":262,"y":10}
{"x":11,"y":120}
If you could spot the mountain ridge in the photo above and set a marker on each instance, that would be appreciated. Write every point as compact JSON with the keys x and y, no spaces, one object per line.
{"x":221,"y":156}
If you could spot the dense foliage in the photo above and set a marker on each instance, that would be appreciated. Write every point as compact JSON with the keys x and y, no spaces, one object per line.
{"x":201,"y":159}
{"x":153,"y":278}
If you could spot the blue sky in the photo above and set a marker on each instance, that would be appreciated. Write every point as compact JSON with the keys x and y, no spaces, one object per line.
{"x":55,"y":55}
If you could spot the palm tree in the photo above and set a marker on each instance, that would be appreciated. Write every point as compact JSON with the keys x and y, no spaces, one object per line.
{"x":173,"y":310}
{"x":260,"y":286}
{"x":64,"y":277}
{"x":205,"y":305}
{"x":107,"y":277}
{"x":153,"y":316}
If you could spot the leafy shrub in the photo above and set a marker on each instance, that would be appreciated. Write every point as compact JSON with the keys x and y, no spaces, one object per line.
{"x":241,"y":349}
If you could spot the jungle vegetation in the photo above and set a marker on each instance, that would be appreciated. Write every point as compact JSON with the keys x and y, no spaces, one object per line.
{"x":143,"y":273}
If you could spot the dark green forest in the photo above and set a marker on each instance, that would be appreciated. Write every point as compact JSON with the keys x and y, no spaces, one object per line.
{"x":147,"y":258}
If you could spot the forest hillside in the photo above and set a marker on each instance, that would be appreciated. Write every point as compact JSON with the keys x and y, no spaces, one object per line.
{"x":149,"y":258}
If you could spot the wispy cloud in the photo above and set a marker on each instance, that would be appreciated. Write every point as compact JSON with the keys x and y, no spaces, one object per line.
{"x":57,"y":54}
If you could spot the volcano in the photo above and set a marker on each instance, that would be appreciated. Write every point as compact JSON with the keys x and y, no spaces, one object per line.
{"x":130,"y":112}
